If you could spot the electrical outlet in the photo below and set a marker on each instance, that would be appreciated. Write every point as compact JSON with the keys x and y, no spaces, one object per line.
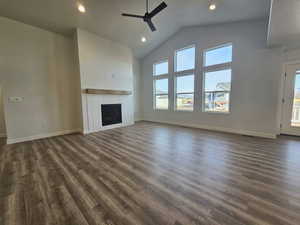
{"x":15,"y":99}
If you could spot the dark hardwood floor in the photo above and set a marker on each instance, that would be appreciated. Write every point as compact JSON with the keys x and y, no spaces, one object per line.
{"x":2,"y":141}
{"x":151,"y":174}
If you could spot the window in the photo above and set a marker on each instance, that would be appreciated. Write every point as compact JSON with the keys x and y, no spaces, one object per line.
{"x":217,"y":90}
{"x":218,"y":56}
{"x":185,"y":59}
{"x":161,"y":68}
{"x":217,"y":79}
{"x":161,"y":94}
{"x":185,"y":93}
{"x":161,"y":85}
{"x":296,"y":102}
{"x":184,"y":79}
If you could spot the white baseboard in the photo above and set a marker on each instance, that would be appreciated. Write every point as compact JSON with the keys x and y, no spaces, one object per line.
{"x":41,"y":136}
{"x":221,"y":129}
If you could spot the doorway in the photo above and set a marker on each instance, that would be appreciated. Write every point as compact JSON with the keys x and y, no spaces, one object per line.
{"x":290,"y":122}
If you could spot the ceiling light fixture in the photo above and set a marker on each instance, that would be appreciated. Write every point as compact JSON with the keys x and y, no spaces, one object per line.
{"x":81,"y":8}
{"x":212,"y":6}
{"x":143,"y":39}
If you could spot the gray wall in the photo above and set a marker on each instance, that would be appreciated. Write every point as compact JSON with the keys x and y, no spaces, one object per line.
{"x":39,"y":66}
{"x":256,"y":72}
{"x":137,"y":89}
{"x":2,"y":120}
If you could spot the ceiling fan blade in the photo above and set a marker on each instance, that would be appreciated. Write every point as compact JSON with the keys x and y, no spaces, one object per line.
{"x":132,"y":15}
{"x":151,"y":25}
{"x":157,"y":9}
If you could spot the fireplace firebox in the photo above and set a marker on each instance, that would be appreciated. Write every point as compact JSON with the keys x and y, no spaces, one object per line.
{"x":111,"y":114}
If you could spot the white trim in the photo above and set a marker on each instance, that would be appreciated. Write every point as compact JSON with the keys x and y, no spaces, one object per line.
{"x":280,"y":97}
{"x":2,"y":135}
{"x":270,"y":22}
{"x":41,"y":136}
{"x":220,"y":129}
{"x":217,"y":67}
{"x":184,"y":73}
{"x":281,"y":94}
{"x":291,"y":132}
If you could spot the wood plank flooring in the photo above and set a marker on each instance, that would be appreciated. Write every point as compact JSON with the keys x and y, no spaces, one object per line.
{"x":151,"y":174}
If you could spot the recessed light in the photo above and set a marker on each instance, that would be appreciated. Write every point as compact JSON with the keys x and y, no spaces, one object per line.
{"x":81,"y":8}
{"x":143,"y":39}
{"x":212,"y":6}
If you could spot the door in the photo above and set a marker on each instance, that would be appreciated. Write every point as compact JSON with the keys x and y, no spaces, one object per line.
{"x":291,"y":101}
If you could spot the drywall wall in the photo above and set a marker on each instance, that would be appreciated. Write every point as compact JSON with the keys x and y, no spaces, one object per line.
{"x":104,"y":64}
{"x":291,"y":55}
{"x":38,"y":66}
{"x":256,"y":74}
{"x":2,"y":120}
{"x":137,"y":89}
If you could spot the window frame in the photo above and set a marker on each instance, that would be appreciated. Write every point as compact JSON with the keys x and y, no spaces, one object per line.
{"x":183,"y":73}
{"x":160,"y":77}
{"x":216,"y":68}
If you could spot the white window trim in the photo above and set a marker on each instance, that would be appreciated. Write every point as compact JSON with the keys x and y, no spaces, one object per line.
{"x":214,"y":68}
{"x":160,"y":77}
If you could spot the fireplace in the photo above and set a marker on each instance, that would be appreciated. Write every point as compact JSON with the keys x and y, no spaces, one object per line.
{"x":111,"y":114}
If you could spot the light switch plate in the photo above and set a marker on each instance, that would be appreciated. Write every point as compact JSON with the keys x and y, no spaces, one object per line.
{"x":15,"y":99}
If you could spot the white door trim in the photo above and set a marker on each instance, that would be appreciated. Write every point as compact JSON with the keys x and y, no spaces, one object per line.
{"x":282,"y":95}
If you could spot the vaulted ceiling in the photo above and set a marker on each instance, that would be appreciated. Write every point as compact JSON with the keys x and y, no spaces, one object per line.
{"x":103,"y":17}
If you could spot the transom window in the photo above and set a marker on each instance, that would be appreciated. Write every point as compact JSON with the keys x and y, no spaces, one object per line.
{"x":185,"y":59}
{"x":218,"y":56}
{"x":161,"y":68}
{"x":217,"y":79}
{"x":184,"y":79}
{"x":161,"y":85}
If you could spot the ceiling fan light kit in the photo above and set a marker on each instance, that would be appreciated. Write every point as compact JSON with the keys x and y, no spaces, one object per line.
{"x":148,"y":16}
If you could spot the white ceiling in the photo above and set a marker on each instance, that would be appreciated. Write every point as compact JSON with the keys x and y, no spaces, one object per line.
{"x":284,"y":28}
{"x":103,"y":17}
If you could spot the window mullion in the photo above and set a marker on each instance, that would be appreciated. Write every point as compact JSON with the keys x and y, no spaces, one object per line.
{"x":217,"y":67}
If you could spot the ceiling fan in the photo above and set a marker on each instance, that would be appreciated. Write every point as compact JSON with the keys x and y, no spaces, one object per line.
{"x":148,"y":16}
